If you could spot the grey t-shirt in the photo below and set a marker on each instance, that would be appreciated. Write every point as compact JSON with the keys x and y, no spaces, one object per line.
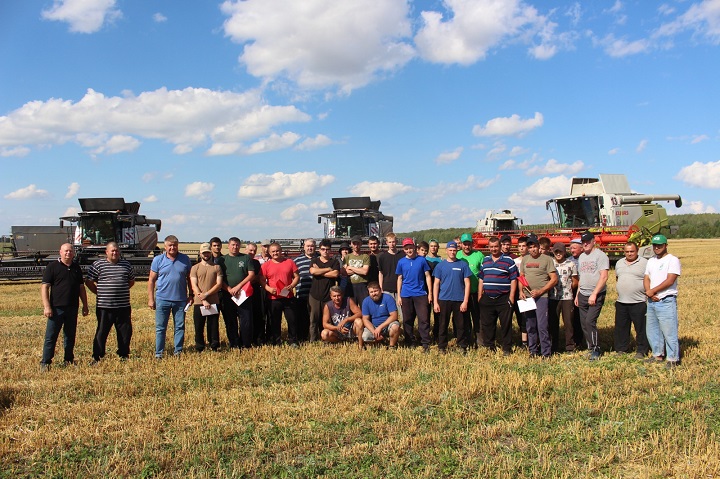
{"x":630,"y":276}
{"x":589,"y":267}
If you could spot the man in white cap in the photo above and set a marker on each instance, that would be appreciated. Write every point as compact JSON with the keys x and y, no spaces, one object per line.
{"x":593,"y":270}
{"x":206,"y":280}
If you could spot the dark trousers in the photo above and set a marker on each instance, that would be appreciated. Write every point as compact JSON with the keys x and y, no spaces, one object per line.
{"x":578,"y":336}
{"x":519,"y":317}
{"x":316,"y":314}
{"x":302,"y":318}
{"x":360,"y":292}
{"x":243,"y":335}
{"x":492,"y":310}
{"x":278,"y":307}
{"x":442,"y":319}
{"x":258,"y":314}
{"x":107,"y":318}
{"x":625,"y":316}
{"x":213,"y":329}
{"x":416,"y":307}
{"x":566,"y":308}
{"x":538,"y":331}
{"x":473,"y":322}
{"x":588,"y":319}
{"x":63,"y":318}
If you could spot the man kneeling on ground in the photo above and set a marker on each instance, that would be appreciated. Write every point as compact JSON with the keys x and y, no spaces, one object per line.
{"x":342,"y":319}
{"x":379,"y":315}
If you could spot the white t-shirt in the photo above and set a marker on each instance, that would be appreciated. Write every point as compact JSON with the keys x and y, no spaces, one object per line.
{"x":658,"y":269}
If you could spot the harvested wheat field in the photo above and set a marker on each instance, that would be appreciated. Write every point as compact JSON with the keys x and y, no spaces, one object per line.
{"x":336,"y":412}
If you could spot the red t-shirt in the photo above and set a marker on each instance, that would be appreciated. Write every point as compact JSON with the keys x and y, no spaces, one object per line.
{"x":279,"y":275}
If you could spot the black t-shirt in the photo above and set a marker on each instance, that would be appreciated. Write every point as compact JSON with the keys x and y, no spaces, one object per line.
{"x":374,"y":268}
{"x":387,"y":263}
{"x":320,"y":287}
{"x":65,"y":282}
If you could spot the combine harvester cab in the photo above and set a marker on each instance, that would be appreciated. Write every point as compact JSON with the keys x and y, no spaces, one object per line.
{"x":103,"y":220}
{"x":352,"y":216}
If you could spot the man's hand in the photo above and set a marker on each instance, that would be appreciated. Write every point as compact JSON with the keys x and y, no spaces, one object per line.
{"x":47,"y":312}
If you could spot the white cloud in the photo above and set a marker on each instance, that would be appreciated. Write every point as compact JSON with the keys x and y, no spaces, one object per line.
{"x":471,"y":183}
{"x":279,"y":185}
{"x":508,"y":126}
{"x":518,"y":150}
{"x":554,"y":167}
{"x":698,"y":138}
{"x":314,"y":143}
{"x":469,"y":29}
{"x":320,"y":43}
{"x":71,"y":211}
{"x":619,"y":47}
{"x":641,"y":146}
{"x":30,"y":191}
{"x":540,"y":191}
{"x":150,"y":199}
{"x":694,"y":207}
{"x":702,"y":19}
{"x":449,"y":156}
{"x":185,"y":118}
{"x":199,"y":189}
{"x":273,"y":142}
{"x":159,"y":18}
{"x":496,"y":151}
{"x":72,"y":190}
{"x":514,"y":165}
{"x":83,"y":16}
{"x":380,"y":190}
{"x":293,"y":212}
{"x":614,"y":151}
{"x":18,"y":151}
{"x":702,"y":175}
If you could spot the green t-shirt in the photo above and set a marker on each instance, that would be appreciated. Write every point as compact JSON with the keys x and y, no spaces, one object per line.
{"x":236,"y":268}
{"x":357,"y":261}
{"x":474,"y":260}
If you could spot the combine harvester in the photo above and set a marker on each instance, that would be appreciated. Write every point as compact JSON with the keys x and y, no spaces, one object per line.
{"x":604,"y":206}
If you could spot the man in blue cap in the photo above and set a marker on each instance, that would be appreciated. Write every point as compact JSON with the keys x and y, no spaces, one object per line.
{"x":661,"y":274}
{"x":474,"y":259}
{"x":451,"y":295}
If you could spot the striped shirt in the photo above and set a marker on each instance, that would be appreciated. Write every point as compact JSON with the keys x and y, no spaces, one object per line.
{"x":497,"y":275}
{"x":113,"y":282}
{"x":302,"y":290}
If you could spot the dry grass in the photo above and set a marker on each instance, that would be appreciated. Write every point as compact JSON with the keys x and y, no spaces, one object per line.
{"x":335,"y":412}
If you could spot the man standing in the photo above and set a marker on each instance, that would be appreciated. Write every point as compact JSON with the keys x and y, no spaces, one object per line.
{"x":237,"y":269}
{"x":302,"y":292}
{"x":342,"y":319}
{"x":560,"y":300}
{"x":539,"y":271}
{"x":62,"y":285}
{"x":387,"y":263}
{"x":111,"y":279}
{"x":474,"y":259}
{"x":661,"y":288}
{"x":379,"y":315}
{"x":325,"y":272}
{"x":451,"y":295}
{"x":593,"y":270}
{"x":506,"y":250}
{"x":415,"y":293}
{"x":357,"y":266}
{"x":258,"y":299}
{"x":630,"y":307}
{"x":281,"y":276}
{"x":206,"y":281}
{"x":171,"y":272}
{"x":496,"y":296}
{"x":575,"y":252}
{"x":374,"y":247}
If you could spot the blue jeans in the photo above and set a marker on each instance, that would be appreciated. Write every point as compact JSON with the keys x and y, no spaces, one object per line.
{"x":662,"y":328}
{"x":65,"y":318}
{"x":163,"y":309}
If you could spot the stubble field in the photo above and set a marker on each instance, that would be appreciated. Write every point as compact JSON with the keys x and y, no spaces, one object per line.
{"x":336,"y":412}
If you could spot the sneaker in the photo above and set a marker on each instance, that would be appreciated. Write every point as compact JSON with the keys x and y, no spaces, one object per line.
{"x":654,"y":360}
{"x":672,"y":364}
{"x":594,"y":355}
{"x":393,"y":348}
{"x":44,"y":367}
{"x":640,"y":355}
{"x":507,"y":353}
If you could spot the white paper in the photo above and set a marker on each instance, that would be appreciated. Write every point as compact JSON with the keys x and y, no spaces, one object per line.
{"x":213,"y":309}
{"x":526,"y":305}
{"x":240,"y":298}
{"x":285,"y":292}
{"x":187,"y":307}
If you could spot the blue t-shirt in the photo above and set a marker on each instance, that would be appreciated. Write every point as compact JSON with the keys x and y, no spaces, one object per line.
{"x":452,"y":276}
{"x":413,"y":276}
{"x":172,"y":277}
{"x":379,"y":312}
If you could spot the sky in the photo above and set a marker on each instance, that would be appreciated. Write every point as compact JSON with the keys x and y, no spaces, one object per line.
{"x":245,"y":118}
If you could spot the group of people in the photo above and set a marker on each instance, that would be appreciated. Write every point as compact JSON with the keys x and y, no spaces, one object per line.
{"x":358,"y":296}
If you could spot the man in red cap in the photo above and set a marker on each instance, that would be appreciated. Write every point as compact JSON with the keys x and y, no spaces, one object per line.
{"x":414,"y":287}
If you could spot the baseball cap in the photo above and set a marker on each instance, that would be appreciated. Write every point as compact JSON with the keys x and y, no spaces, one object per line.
{"x":576,"y":241}
{"x":408,"y":242}
{"x":532,"y":240}
{"x":344,"y":245}
{"x":356,"y":239}
{"x":559,"y":247}
{"x":466,"y":237}
{"x":205,"y":248}
{"x":451,"y":244}
{"x":587,"y":237}
{"x":505,"y":239}
{"x":659,"y":239}
{"x":266,"y":242}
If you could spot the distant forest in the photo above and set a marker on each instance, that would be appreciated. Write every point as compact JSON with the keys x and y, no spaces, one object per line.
{"x":705,"y":225}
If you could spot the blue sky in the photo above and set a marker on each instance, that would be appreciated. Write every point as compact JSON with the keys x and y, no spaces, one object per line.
{"x":244,"y":118}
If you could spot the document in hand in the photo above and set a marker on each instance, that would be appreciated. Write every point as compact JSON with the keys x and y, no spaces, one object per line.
{"x":526,"y":304}
{"x":213,"y":309}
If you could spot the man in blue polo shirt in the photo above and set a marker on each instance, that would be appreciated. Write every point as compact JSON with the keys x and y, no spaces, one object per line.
{"x":171,"y":273}
{"x":451,"y":295}
{"x":496,"y":295}
{"x":379,"y":315}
